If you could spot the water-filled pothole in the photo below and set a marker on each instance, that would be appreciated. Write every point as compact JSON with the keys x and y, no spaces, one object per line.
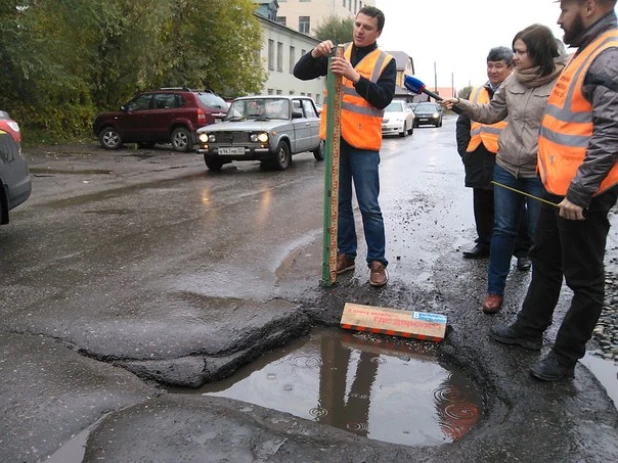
{"x":387,"y":389}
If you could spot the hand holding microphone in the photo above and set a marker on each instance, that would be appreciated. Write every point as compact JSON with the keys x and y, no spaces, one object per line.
{"x":417,"y":86}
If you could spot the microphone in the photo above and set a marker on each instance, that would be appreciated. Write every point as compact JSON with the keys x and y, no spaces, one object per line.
{"x":417,"y":86}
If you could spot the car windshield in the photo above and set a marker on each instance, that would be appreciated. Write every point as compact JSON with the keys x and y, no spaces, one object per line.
{"x":430,"y":107}
{"x":259,"y":109}
{"x":394,"y":107}
{"x":212,"y":101}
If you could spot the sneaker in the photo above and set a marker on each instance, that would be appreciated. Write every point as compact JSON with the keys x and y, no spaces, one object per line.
{"x":551,"y":368}
{"x":513,"y":334}
{"x":378,"y":276}
{"x":344,"y":264}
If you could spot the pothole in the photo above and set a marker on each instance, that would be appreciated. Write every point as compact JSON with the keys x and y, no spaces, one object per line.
{"x":388,"y":389}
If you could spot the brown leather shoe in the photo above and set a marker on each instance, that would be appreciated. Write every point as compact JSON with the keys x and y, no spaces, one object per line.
{"x":378,"y":276}
{"x":344,"y":264}
{"x":492,"y":303}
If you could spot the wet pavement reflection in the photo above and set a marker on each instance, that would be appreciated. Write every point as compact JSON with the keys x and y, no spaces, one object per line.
{"x":387,"y":389}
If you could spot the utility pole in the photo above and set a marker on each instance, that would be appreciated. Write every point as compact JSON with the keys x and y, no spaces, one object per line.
{"x":435,"y":77}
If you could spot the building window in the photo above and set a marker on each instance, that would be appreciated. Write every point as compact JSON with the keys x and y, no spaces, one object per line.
{"x":350,"y":5}
{"x":279,"y":57}
{"x":344,"y":3}
{"x":281,"y":20}
{"x":292,"y":59}
{"x":309,"y":95}
{"x":355,"y":6}
{"x":302,"y":52}
{"x":317,"y":97}
{"x":291,"y":92}
{"x":271,"y":55}
{"x":305,"y":1}
{"x":270,"y":91}
{"x":304,"y":24}
{"x":279,"y":92}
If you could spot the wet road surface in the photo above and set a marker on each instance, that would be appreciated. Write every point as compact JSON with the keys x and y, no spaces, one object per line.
{"x":163,"y":270}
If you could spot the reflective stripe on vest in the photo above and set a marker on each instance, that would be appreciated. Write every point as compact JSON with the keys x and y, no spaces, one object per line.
{"x":567,"y":125}
{"x":482,"y":133}
{"x":361,"y":123}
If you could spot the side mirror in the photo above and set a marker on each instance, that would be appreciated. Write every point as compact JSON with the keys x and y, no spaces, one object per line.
{"x":297,"y":115}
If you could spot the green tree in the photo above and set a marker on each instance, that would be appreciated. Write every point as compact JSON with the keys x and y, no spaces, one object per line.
{"x":63,"y":62}
{"x":213,"y":44}
{"x":339,"y":31}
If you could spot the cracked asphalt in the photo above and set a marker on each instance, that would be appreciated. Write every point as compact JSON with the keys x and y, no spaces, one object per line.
{"x":130,"y":270}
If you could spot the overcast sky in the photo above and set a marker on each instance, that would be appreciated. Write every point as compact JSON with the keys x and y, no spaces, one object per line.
{"x":457,"y":34}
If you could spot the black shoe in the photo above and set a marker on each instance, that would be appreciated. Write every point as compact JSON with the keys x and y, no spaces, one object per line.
{"x":523,"y":264}
{"x":477,"y":252}
{"x":512,"y":334}
{"x":552,"y":369}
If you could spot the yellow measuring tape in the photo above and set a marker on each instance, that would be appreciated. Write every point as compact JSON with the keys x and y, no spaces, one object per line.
{"x":526,"y":194}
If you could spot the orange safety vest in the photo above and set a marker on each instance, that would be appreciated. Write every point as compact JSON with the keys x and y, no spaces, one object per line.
{"x":487,"y":134}
{"x":361,"y":123}
{"x":567,"y":126}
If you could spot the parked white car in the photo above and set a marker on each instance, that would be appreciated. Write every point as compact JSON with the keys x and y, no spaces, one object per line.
{"x":398,"y":119}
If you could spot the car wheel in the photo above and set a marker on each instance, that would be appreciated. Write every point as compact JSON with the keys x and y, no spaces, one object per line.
{"x":411,"y":131}
{"x":318,"y":153}
{"x":110,"y":138}
{"x":440,"y":122}
{"x":181,"y":140}
{"x":3,"y":219}
{"x":283,"y":158}
{"x":213,"y":164}
{"x":403,"y":131}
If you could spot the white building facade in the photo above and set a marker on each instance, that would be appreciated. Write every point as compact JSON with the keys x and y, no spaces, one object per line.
{"x":281,"y":50}
{"x":305,"y":15}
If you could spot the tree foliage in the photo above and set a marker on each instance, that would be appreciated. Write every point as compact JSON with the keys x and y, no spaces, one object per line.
{"x":65,"y":61}
{"x":338,"y":30}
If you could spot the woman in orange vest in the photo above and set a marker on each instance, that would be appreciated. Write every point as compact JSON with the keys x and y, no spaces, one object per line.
{"x":578,"y":150}
{"x":520,"y":101}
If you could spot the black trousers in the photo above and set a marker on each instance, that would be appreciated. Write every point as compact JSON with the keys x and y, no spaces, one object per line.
{"x":484,"y":218}
{"x":575,"y":249}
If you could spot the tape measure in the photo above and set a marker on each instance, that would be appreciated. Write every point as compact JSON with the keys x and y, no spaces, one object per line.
{"x":332,"y":148}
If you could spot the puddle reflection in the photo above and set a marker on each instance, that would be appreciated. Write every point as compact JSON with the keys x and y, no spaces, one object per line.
{"x":389,"y":390}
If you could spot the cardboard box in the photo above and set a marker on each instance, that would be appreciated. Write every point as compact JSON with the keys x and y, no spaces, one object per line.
{"x":392,"y":322}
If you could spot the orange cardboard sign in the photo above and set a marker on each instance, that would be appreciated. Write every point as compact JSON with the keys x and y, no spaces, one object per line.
{"x":393,"y":322}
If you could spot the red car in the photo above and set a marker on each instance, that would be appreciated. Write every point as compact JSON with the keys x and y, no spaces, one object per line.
{"x":168,"y":115}
{"x":9,"y":125}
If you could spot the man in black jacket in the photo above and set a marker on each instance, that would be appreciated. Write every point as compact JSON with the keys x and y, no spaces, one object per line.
{"x":368,"y":79}
{"x":479,"y":158}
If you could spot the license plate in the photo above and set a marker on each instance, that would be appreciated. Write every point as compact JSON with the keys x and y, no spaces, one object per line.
{"x":423,"y":119}
{"x":231,"y":151}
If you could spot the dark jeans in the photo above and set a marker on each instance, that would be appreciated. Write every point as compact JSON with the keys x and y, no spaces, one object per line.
{"x":360,"y":166}
{"x":484,"y":218}
{"x":575,"y":249}
{"x":509,"y":206}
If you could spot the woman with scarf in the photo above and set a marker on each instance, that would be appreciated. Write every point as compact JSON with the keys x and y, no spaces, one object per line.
{"x":520,"y":100}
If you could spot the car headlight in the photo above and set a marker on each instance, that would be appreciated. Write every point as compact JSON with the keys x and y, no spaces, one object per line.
{"x":435,"y":115}
{"x":262,"y":137}
{"x":203,"y":137}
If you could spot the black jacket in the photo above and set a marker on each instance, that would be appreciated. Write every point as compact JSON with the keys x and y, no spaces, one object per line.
{"x":379,"y":95}
{"x":479,"y":164}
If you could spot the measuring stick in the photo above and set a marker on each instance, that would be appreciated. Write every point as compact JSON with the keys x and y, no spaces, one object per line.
{"x":526,"y":194}
{"x":332,"y":148}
